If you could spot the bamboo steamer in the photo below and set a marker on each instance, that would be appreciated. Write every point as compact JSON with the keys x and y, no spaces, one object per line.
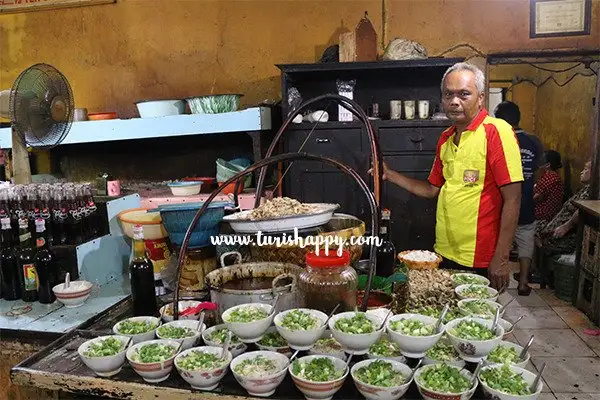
{"x":341,"y":225}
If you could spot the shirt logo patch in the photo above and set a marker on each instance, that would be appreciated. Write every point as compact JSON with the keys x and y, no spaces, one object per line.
{"x":470,"y":177}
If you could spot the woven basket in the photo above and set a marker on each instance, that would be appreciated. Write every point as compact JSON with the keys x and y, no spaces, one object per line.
{"x":419,"y":265}
{"x":341,"y":225}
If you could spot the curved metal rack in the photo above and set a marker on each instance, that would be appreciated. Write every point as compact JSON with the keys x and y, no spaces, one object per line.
{"x":263,"y":163}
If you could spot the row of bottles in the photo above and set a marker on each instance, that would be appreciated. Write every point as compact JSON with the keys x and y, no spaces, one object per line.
{"x":68,"y":210}
{"x":27,"y":272}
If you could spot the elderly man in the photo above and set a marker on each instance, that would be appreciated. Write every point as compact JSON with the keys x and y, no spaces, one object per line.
{"x":477,"y":177}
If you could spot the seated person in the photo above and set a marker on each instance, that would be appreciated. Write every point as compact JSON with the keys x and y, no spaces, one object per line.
{"x":548,"y":190}
{"x":558,"y":236}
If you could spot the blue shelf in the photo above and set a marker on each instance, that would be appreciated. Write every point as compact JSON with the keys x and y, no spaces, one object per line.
{"x":248,"y":120}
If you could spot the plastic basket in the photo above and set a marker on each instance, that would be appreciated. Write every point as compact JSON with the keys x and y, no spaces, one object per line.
{"x":563,"y":279}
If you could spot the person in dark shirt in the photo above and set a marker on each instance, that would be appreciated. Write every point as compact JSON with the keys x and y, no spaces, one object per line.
{"x":530,"y":158}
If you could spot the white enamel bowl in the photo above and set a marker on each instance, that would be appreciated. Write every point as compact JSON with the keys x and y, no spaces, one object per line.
{"x":518,"y":349}
{"x":108,"y":365}
{"x":382,"y":393}
{"x":492,"y":293}
{"x":139,"y":337}
{"x":528,"y":376}
{"x":235,"y":347}
{"x":356,"y":344}
{"x":320,"y":390}
{"x":156,"y":371}
{"x":266,"y":385}
{"x":203,"y":379}
{"x":74,"y":295}
{"x":188,"y":342}
{"x":413,"y":346}
{"x":468,"y":313}
{"x":285,"y":350}
{"x":429,"y":394}
{"x":480,"y":280}
{"x":301,"y":340}
{"x":473,"y":350}
{"x":249,"y":332}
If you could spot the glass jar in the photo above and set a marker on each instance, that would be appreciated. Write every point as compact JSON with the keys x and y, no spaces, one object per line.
{"x":329,"y":280}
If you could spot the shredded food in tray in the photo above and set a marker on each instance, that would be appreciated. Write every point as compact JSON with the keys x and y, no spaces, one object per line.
{"x":279,"y":207}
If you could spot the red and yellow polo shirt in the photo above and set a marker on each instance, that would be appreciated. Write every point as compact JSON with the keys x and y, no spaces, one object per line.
{"x":470,"y":176}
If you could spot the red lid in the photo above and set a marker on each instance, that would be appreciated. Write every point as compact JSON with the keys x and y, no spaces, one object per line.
{"x":327,"y":261}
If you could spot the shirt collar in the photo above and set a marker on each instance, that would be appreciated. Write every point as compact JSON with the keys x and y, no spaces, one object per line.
{"x":472,"y":126}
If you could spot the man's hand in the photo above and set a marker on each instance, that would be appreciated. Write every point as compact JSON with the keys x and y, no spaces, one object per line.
{"x":498,"y":272}
{"x":385,"y":174}
{"x":561,"y":231}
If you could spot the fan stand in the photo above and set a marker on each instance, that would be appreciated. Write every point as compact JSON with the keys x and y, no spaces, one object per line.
{"x":20,"y":159}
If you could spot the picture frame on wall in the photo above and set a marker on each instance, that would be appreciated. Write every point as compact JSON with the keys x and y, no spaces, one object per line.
{"x":556,"y":18}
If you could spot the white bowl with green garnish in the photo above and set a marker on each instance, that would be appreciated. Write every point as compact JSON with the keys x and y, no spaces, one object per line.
{"x":479,"y":308}
{"x":105,"y":355}
{"x":184,"y":331}
{"x":260,"y":372}
{"x":473,"y":337}
{"x":444,"y":382}
{"x":273,"y":341}
{"x":326,"y":345}
{"x":153,"y":359}
{"x":414,"y":333}
{"x":481,"y":292}
{"x":216,"y":336}
{"x":202,"y":367}
{"x":386,"y":349}
{"x":301,"y":327}
{"x":249,"y":321}
{"x":140,"y":329}
{"x":381,"y":379}
{"x":318,"y":377}
{"x":507,"y":352}
{"x":508,"y":327}
{"x":443,"y":352}
{"x":469,"y":279}
{"x":356,"y":331}
{"x":508,"y":382}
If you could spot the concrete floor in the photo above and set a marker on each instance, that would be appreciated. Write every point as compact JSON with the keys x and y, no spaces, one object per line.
{"x":573,"y":358}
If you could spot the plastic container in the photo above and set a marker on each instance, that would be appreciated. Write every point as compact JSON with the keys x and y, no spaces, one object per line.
{"x":150,"y":221}
{"x":327,"y":281}
{"x":187,"y":188}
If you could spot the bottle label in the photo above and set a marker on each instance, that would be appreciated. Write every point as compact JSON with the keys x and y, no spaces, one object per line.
{"x":45,"y":213}
{"x":91,"y":207}
{"x":30,"y":277}
{"x":40,"y":242}
{"x":60,"y":214}
{"x":24,"y":237}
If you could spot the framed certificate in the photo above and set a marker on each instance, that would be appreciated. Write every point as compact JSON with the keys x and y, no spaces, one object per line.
{"x":550,"y":18}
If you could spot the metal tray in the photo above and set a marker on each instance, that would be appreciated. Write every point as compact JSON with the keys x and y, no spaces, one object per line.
{"x":241,"y":224}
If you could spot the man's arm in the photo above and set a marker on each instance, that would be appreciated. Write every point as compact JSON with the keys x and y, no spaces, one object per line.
{"x":415,"y":186}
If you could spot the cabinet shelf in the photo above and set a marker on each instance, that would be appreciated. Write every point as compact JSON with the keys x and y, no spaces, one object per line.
{"x":416,"y":123}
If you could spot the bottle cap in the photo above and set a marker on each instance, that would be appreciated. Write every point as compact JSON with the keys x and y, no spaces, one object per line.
{"x":23,"y":223}
{"x":327,"y":261}
{"x":5,"y":222}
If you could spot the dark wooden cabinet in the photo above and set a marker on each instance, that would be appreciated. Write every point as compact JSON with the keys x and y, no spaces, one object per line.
{"x":408,"y":146}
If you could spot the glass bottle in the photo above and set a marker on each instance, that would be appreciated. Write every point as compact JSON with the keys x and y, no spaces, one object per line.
{"x":386,"y":253}
{"x":45,"y":265}
{"x":45,"y":200}
{"x":11,"y":284}
{"x":59,"y":217}
{"x":142,"y":277}
{"x":73,"y":222}
{"x":26,"y":262}
{"x":92,"y":211}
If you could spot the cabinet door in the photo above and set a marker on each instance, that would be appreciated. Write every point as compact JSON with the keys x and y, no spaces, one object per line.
{"x":413,"y":218}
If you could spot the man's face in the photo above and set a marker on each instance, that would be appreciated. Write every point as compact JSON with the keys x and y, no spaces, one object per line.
{"x":460,"y":99}
{"x":586,"y":173}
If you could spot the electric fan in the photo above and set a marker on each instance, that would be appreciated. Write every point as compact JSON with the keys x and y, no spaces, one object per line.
{"x":40,"y":106}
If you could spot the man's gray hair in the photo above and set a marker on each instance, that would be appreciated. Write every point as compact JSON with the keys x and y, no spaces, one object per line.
{"x":465,"y":66}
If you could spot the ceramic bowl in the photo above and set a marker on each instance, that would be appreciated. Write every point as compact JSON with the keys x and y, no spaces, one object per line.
{"x":188,"y":342}
{"x":508,"y":327}
{"x":160,"y":108}
{"x":187,"y":188}
{"x":356,"y":344}
{"x":207,"y":379}
{"x":285,"y":350}
{"x":478,"y":279}
{"x":236,"y":347}
{"x":266,"y":385}
{"x":331,"y":348}
{"x":456,"y":361}
{"x":156,"y":371}
{"x":492,"y":293}
{"x":139,"y":337}
{"x":300,"y":339}
{"x":413,"y":346}
{"x":518,"y":349}
{"x":391,"y":345}
{"x":108,"y":365}
{"x":249,"y":332}
{"x":528,"y":376}
{"x":372,"y":392}
{"x":473,"y":350}
{"x":320,"y":390}
{"x":468,"y":313}
{"x":74,"y":295}
{"x":429,"y":394}
{"x":166,"y":311}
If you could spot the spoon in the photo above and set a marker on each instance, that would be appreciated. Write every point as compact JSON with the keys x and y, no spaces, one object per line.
{"x":274,"y":306}
{"x":331,"y":314}
{"x":502,"y":308}
{"x":67,"y":280}
{"x":412,"y":373}
{"x":294,"y":355}
{"x":386,"y":318}
{"x":496,"y":318}
{"x":179,"y":347}
{"x":523,"y":354}
{"x":128,"y":341}
{"x":226,"y":345}
{"x":438,"y":324}
{"x":534,"y":385}
{"x":479,"y":366}
{"x":349,"y":359}
{"x":200,"y":321}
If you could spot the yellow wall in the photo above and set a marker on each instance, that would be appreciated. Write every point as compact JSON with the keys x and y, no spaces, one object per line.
{"x":116,"y":54}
